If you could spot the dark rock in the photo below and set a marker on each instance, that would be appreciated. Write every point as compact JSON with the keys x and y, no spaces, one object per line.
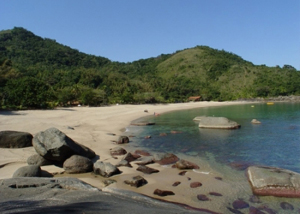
{"x":202,"y":197}
{"x":165,"y":159}
{"x":184,"y":164}
{"x":234,"y":210}
{"x":123,"y":139}
{"x":130,"y":157}
{"x":219,"y":178}
{"x":182,"y":173}
{"x":189,"y":178}
{"x":254,"y":199}
{"x":123,"y":163}
{"x":14,"y":139}
{"x":117,"y":151}
{"x":78,"y":164}
{"x":286,"y":206}
{"x":218,"y":123}
{"x":195,"y":184}
{"x":136,"y":181}
{"x":141,"y":152}
{"x":36,"y":159}
{"x":144,"y":160}
{"x":54,"y":145}
{"x":163,"y":192}
{"x":274,"y":181}
{"x":254,"y":210}
{"x":176,"y":183}
{"x":105,"y":169}
{"x":146,"y":169}
{"x":142,"y":123}
{"x":112,"y":134}
{"x":109,"y":182}
{"x":28,"y":171}
{"x":215,"y":194}
{"x":240,"y":204}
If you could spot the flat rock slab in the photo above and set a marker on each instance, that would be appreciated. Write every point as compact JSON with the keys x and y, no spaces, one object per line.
{"x":271,"y":181}
{"x":218,"y":123}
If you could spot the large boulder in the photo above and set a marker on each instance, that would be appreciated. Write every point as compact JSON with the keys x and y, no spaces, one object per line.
{"x":271,"y":181}
{"x":105,"y":169}
{"x":28,"y":171}
{"x":14,"y":139}
{"x":53,"y":144}
{"x":36,"y":159}
{"x":78,"y":164}
{"x":218,"y":123}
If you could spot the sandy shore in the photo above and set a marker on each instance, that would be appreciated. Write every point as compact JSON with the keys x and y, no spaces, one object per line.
{"x":91,"y":128}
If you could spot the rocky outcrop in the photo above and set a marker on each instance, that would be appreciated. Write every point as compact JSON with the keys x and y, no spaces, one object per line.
{"x":184,"y":164}
{"x":165,"y":159}
{"x":270,"y":181}
{"x":36,"y":159}
{"x":136,"y":181}
{"x":14,"y":139}
{"x":78,"y":164}
{"x":53,"y":144}
{"x":218,"y":123}
{"x":28,"y":171}
{"x":105,"y":169}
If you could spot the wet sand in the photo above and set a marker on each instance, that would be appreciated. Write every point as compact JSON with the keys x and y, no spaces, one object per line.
{"x":91,"y":127}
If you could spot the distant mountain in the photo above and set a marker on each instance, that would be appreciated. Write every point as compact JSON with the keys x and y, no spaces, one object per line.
{"x":68,"y":76}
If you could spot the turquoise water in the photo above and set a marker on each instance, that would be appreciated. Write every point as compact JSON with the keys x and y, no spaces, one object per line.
{"x":274,"y":142}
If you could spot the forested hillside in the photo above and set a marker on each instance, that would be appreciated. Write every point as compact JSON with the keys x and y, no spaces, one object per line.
{"x":38,"y":72}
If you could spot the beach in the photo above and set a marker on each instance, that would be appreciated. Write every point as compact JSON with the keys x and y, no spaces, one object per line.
{"x":93,"y":127}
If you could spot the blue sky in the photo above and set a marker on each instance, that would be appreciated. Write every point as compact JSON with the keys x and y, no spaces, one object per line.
{"x":260,"y":31}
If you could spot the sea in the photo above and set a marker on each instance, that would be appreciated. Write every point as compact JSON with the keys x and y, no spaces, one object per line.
{"x":274,"y":142}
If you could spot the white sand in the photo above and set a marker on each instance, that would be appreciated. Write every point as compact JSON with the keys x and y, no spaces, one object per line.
{"x":91,"y":125}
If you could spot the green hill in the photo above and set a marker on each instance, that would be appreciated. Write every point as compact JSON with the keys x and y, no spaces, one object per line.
{"x":38,"y":72}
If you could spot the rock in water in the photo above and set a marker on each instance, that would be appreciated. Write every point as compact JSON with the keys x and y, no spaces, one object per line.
{"x":218,"y":123}
{"x":14,"y":139}
{"x":165,"y":159}
{"x":78,"y":164}
{"x":54,"y":145}
{"x":28,"y":171}
{"x":271,"y":181}
{"x":105,"y":169}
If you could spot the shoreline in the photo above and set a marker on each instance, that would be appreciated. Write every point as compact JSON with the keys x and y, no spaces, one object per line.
{"x":91,"y":128}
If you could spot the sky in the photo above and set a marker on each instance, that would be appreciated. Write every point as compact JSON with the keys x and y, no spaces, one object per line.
{"x":260,"y":31}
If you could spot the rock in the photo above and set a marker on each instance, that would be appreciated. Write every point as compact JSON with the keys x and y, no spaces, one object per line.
{"x":165,"y":159}
{"x":240,"y":165}
{"x":36,"y":159}
{"x":141,"y":152}
{"x":146,"y":169}
{"x":142,"y":123}
{"x":254,"y":210}
{"x":146,"y":110}
{"x":182,"y":173}
{"x":105,"y":169}
{"x":123,"y":139}
{"x":175,"y":184}
{"x":109,"y":182}
{"x":144,"y":160}
{"x":14,"y":139}
{"x":271,"y":181}
{"x":130,"y":157}
{"x":195,"y":184}
{"x":117,"y":151}
{"x":254,"y":121}
{"x":202,"y":197}
{"x":286,"y":206}
{"x":240,"y":204}
{"x":54,"y":145}
{"x":215,"y":194}
{"x":175,"y":132}
{"x":163,"y":134}
{"x":218,"y":123}
{"x":184,"y":164}
{"x":163,"y":192}
{"x":78,"y":164}
{"x":136,"y":181}
{"x":28,"y":171}
{"x":123,"y":163}
{"x":254,"y":199}
{"x":219,"y":178}
{"x":147,"y":137}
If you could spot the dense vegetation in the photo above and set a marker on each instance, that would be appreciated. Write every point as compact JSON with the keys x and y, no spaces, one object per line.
{"x":40,"y":73}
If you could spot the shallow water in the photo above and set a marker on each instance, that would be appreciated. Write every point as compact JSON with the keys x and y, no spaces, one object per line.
{"x":274,"y":142}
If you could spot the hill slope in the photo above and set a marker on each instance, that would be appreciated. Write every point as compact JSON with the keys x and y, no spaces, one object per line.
{"x":62,"y":75}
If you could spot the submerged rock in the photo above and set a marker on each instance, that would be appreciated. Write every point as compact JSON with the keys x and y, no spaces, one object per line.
{"x":165,"y":159}
{"x":218,"y":123}
{"x":271,"y":181}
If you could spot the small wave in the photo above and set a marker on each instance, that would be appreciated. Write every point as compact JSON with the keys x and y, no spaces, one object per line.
{"x":201,"y":172}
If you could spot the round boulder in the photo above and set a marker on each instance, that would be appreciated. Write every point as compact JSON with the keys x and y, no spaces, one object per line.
{"x":78,"y":164}
{"x":28,"y":171}
{"x":36,"y":159}
{"x":105,"y":169}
